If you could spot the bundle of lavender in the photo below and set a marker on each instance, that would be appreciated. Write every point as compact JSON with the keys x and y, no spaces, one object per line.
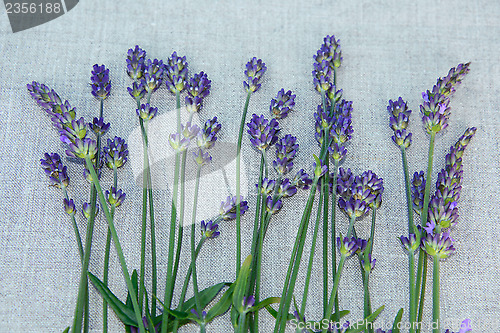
{"x":356,"y":196}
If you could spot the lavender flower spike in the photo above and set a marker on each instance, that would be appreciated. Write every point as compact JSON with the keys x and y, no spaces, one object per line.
{"x":208,"y":135}
{"x":153,"y":75}
{"x":55,"y":170}
{"x":198,"y":88}
{"x":400,"y":117}
{"x":98,"y":126}
{"x":69,"y":206}
{"x":202,"y":158}
{"x":115,"y":153}
{"x":115,"y":197}
{"x":44,"y":96}
{"x":282,"y":104}
{"x":178,"y":142}
{"x":263,"y":133}
{"x":346,"y":246}
{"x":80,"y":148}
{"x":255,"y":69}
{"x":100,"y":82}
{"x":440,"y":245}
{"x":147,"y":112}
{"x":176,"y":73}
{"x":209,"y":229}
{"x":135,"y":63}
{"x":227,"y":209}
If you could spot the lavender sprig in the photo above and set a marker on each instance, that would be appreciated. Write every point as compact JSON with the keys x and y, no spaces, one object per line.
{"x":282,"y":104}
{"x":100,"y":82}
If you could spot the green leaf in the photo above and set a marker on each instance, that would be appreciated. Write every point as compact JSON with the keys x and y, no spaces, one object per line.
{"x":178,"y":314}
{"x":397,"y":320}
{"x":205,"y":296}
{"x":241,"y":284}
{"x":264,"y":303}
{"x":356,"y":328}
{"x":134,"y":285}
{"x":274,"y":313}
{"x":342,"y":313}
{"x":234,"y":317}
{"x":222,"y":305}
{"x":66,"y":330}
{"x":124,"y":313}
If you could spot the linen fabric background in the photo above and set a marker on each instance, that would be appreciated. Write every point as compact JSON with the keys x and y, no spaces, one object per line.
{"x":390,"y":49}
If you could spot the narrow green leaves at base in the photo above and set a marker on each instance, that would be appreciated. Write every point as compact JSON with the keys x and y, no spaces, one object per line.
{"x":241,"y":284}
{"x":397,"y":320}
{"x":356,"y":328}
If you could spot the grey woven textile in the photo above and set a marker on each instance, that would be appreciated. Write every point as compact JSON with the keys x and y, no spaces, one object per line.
{"x":390,"y":49}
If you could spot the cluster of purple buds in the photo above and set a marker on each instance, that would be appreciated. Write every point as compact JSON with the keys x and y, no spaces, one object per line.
{"x":209,"y":230}
{"x":201,"y":158}
{"x":438,"y":245}
{"x":228,"y":208}
{"x":115,"y":153}
{"x":98,"y":126}
{"x":347,"y":247}
{"x":254,"y":71}
{"x":69,"y":206}
{"x":359,"y":194}
{"x":327,"y":59}
{"x":465,"y":326}
{"x":341,"y":129}
{"x":443,"y":211}
{"x":417,"y":191}
{"x":146,"y":112}
{"x":176,"y":73}
{"x":153,"y":75}
{"x":286,"y":149}
{"x":263,"y":133}
{"x":100,"y":82}
{"x":135,"y":63}
{"x":55,"y":170}
{"x":45,"y":97}
{"x":208,"y":135}
{"x":273,"y":205}
{"x":435,"y":109}
{"x":115,"y":197}
{"x":282,"y":104}
{"x":411,"y":243}
{"x":87,"y":209}
{"x":302,"y":180}
{"x":178,"y":142}
{"x":198,"y":88}
{"x":399,"y":119}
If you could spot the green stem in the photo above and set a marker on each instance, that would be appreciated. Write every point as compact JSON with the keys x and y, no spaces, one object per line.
{"x":260,"y":196}
{"x":238,"y":181}
{"x":425,"y":208}
{"x":119,"y":251}
{"x":409,"y":203}
{"x":259,"y":268}
{"x":334,"y":252}
{"x":193,"y":250}
{"x":173,"y":218}
{"x":311,"y":257}
{"x":435,"y":295}
{"x":422,"y":291}
{"x":106,"y":258}
{"x":180,"y":232}
{"x":294,"y":264}
{"x":366,"y":304}
{"x":411,"y":270}
{"x":351,"y":225}
{"x":144,"y":212}
{"x":336,"y":281}
{"x":75,"y":227}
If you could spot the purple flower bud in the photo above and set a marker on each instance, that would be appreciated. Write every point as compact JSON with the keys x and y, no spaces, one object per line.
{"x":248,"y":302}
{"x":137,"y":91}
{"x":153,"y":75}
{"x":100,"y":82}
{"x":440,"y":245}
{"x":198,"y":88}
{"x":189,"y":131}
{"x":255,"y":69}
{"x":209,"y":230}
{"x":282,"y":104}
{"x":115,"y":153}
{"x":319,"y":169}
{"x":410,"y":243}
{"x":361,"y":243}
{"x":417,"y":191}
{"x":98,"y":126}
{"x":86,"y":210}
{"x":346,"y":246}
{"x":286,"y":189}
{"x":263,"y":133}
{"x":202,"y":158}
{"x":176,"y":73}
{"x":287,"y":147}
{"x":208,"y":135}
{"x":147,"y":112}
{"x":228,"y":209}
{"x":273,"y":206}
{"x":69,"y":206}
{"x":369,"y":265}
{"x":203,"y":314}
{"x":44,"y":96}
{"x":115,"y":197}
{"x":267,"y":186}
{"x":80,"y":148}
{"x":55,"y":170}
{"x":178,"y":142}
{"x":135,"y":62}
{"x":302,"y":180}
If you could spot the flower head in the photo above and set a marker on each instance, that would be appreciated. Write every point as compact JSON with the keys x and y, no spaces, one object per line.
{"x":176,"y":73}
{"x":115,"y":153}
{"x":208,"y":135}
{"x":302,"y":180}
{"x":87,"y":209}
{"x":153,"y":75}
{"x":98,"y":126}
{"x":410,"y":243}
{"x":273,"y":205}
{"x":44,"y":96}
{"x":178,"y":142}
{"x":282,"y":104}
{"x":209,"y":229}
{"x":189,"y":131}
{"x":55,"y":170}
{"x":201,"y":157}
{"x":115,"y":197}
{"x":81,"y":148}
{"x":255,"y":69}
{"x":228,"y":208}
{"x":135,"y":62}
{"x":417,"y":191}
{"x":263,"y":133}
{"x":346,"y":246}
{"x":147,"y":112}
{"x":100,"y":82}
{"x":369,"y":265}
{"x":438,"y":244}
{"x":398,"y":121}
{"x":69,"y":206}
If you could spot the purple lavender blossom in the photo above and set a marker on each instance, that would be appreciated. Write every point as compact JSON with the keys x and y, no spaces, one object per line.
{"x":327,"y":59}
{"x":361,"y":243}
{"x":302,"y":180}
{"x":263,"y":133}
{"x":176,"y":73}
{"x":282,"y":104}
{"x":135,"y":62}
{"x":100,"y":82}
{"x":410,"y":243}
{"x":55,"y":170}
{"x":286,"y":189}
{"x":255,"y":69}
{"x":198,"y":88}
{"x":69,"y":206}
{"x":137,"y":91}
{"x":146,"y":112}
{"x":273,"y":205}
{"x":400,"y":117}
{"x":438,"y":244}
{"x":189,"y":131}
{"x":346,"y":246}
{"x":201,"y":157}
{"x":359,"y":194}
{"x":341,"y":129}
{"x":80,"y":148}
{"x":248,"y":302}
{"x":227,"y":209}
{"x":115,"y":197}
{"x":267,"y":186}
{"x":286,"y":149}
{"x":44,"y":96}
{"x":178,"y":142}
{"x":417,"y":191}
{"x":77,"y":129}
{"x":209,"y":230}
{"x":115,"y":153}
{"x":98,"y":126}
{"x":153,"y":75}
{"x":86,"y":210}
{"x":208,"y":135}
{"x":203,"y":314}
{"x":435,"y":107}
